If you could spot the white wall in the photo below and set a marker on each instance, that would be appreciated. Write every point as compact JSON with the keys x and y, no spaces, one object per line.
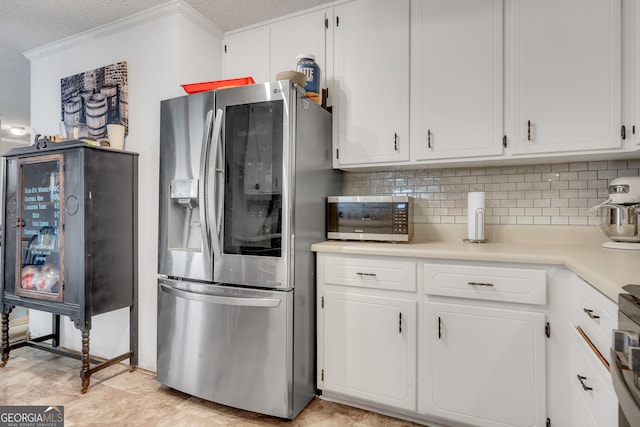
{"x":163,"y":47}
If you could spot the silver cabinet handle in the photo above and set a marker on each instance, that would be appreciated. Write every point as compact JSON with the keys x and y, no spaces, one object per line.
{"x":590,"y":313}
{"x":366,"y":274}
{"x":479,"y":284}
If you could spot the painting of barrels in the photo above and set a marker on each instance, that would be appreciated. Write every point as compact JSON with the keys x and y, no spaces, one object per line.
{"x":96,"y":98}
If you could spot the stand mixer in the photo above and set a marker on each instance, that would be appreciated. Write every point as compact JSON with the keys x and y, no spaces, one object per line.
{"x":621,"y":212}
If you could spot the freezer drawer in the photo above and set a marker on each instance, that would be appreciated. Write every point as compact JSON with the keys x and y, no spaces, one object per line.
{"x":226,"y":344}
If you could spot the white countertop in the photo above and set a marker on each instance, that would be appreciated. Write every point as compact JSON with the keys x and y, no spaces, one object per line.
{"x":605,"y":269}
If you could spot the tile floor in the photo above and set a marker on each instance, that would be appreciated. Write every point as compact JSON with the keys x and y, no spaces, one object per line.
{"x":117,"y":397}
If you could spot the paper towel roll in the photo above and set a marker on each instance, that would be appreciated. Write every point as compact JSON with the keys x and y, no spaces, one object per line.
{"x":475,"y":215}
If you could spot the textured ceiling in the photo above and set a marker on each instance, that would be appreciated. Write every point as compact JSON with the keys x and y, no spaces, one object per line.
{"x":28,"y":24}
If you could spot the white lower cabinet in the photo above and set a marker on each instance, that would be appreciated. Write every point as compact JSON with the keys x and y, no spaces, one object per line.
{"x":370,"y":347}
{"x":367,"y":321}
{"x":448,"y":342}
{"x":485,"y":366}
{"x":484,"y":350}
{"x":593,"y":317}
{"x":595,"y":314}
{"x":593,"y":400}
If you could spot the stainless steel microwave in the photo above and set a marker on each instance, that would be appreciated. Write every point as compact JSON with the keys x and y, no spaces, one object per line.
{"x":380,"y":218}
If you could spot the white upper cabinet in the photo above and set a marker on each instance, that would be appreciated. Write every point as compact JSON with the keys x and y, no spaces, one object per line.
{"x":631,"y":70}
{"x":434,"y":82}
{"x":456,"y":79}
{"x":302,"y":34}
{"x":371,"y":82}
{"x":264,"y":51}
{"x":566,"y":75}
{"x":247,"y":53}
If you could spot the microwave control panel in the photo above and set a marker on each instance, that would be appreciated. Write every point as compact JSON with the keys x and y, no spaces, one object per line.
{"x":401,"y":217}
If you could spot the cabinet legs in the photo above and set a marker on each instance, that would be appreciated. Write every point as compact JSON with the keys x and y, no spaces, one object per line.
{"x":5,"y":338}
{"x":85,"y":372}
{"x":85,"y":329}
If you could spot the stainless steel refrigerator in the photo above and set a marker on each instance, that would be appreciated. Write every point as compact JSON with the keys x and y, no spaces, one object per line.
{"x":244,"y":176}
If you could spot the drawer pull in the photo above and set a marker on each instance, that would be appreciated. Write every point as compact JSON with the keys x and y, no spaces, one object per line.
{"x":479,"y":284}
{"x":439,"y":328}
{"x":367,"y":274}
{"x":400,"y":323}
{"x":590,"y":313}
{"x":584,"y":386}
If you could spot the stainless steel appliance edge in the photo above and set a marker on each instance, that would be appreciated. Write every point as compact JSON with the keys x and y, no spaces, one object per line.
{"x":216,"y":337}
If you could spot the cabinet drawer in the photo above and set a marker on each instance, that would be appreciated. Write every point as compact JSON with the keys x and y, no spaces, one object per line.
{"x":594,"y":313}
{"x":377,"y":273}
{"x":597,"y":397}
{"x":487,"y":283}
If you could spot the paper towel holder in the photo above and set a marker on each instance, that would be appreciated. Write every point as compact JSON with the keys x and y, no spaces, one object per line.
{"x":479,"y":217}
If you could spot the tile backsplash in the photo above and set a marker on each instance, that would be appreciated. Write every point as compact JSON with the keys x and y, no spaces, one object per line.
{"x":545,"y":194}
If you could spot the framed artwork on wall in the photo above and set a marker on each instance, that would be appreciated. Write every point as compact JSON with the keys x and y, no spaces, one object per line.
{"x":96,"y":98}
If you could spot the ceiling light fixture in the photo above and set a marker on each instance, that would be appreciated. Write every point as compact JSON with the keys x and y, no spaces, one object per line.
{"x":18,"y":131}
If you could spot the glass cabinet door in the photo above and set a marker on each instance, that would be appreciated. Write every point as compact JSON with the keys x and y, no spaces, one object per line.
{"x":39,"y":225}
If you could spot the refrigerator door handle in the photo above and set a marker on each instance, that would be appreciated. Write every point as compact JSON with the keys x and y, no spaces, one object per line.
{"x":218,"y":181}
{"x":202,"y":190}
{"x":215,"y":299}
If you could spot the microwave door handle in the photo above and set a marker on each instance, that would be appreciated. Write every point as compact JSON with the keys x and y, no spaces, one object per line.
{"x":202,"y":188}
{"x":218,"y":182}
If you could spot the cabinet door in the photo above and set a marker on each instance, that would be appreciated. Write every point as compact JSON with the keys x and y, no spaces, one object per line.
{"x":592,"y":391}
{"x":485,"y":366}
{"x":247,"y":54}
{"x":456,"y":79}
{"x":301,"y":34}
{"x":39,"y":227}
{"x":566,"y":75}
{"x":371,"y":82}
{"x":370,"y":347}
{"x":631,"y":14}
{"x":595,"y":314}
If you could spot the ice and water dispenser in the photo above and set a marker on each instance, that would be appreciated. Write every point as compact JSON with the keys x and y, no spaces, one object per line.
{"x":184,"y":215}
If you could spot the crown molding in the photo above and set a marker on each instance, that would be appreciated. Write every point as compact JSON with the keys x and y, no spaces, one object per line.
{"x":172,"y":7}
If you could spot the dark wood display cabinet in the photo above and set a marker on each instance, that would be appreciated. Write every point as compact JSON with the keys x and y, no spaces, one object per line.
{"x":69,"y":241}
